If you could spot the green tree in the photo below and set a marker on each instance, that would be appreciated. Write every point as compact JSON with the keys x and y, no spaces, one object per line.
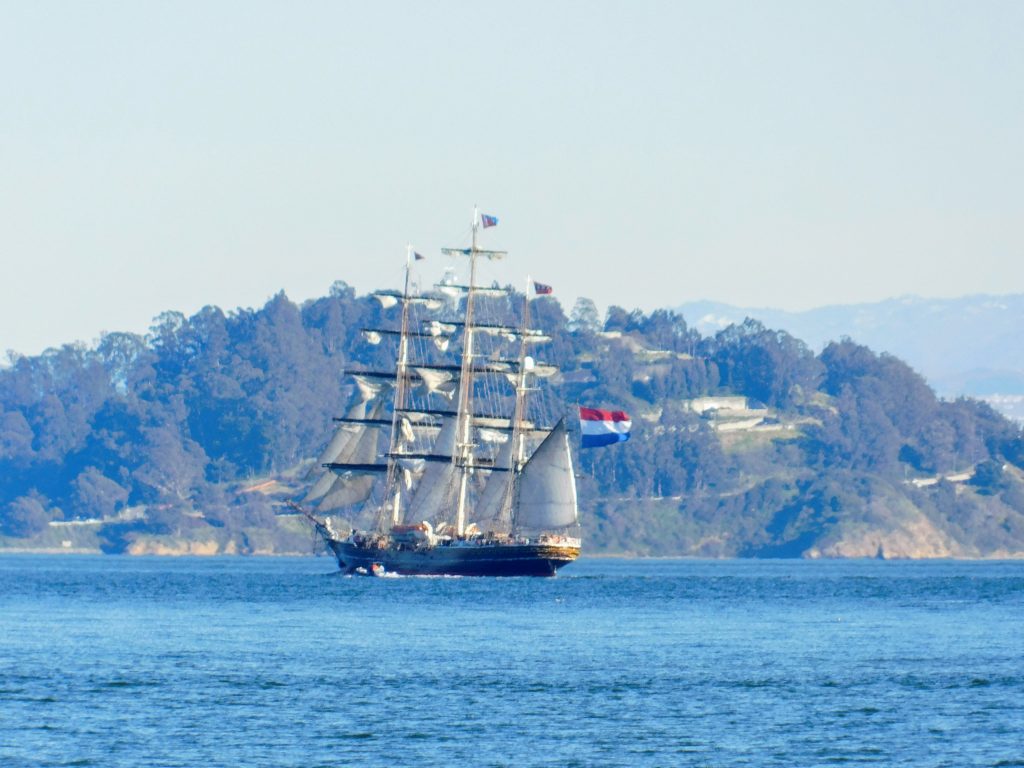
{"x":96,"y":495}
{"x":584,"y":317}
{"x":26,"y":516}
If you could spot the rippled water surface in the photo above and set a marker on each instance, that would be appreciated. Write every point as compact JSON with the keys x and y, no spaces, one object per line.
{"x":113,"y":661}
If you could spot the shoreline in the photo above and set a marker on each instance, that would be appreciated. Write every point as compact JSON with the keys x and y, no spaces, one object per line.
{"x":28,"y":551}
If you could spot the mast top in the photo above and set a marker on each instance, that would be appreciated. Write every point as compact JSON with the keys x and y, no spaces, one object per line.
{"x":480,"y":221}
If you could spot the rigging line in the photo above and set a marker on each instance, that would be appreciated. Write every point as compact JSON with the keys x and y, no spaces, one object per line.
{"x":463,"y":236}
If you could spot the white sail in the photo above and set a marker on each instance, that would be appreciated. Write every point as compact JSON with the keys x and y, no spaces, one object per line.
{"x":342,"y":438}
{"x":488,"y":506}
{"x":546,"y":497}
{"x":348,"y":489}
{"x":434,"y":491}
{"x":320,"y":487}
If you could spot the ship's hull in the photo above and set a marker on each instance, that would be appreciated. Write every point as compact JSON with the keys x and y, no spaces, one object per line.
{"x":454,"y":560}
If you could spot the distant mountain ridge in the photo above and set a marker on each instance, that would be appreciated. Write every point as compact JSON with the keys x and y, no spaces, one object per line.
{"x":963,"y":346}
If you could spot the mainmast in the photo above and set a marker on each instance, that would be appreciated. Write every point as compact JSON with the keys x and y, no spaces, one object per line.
{"x":462,"y":456}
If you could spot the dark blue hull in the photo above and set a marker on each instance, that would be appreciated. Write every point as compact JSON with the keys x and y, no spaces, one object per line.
{"x":475,"y":560}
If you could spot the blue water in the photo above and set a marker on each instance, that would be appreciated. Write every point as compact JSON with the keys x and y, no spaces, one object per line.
{"x":116,"y":661}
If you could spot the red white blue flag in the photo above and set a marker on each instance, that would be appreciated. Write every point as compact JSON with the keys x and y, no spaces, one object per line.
{"x":600,"y":428}
{"x":488,"y":221}
{"x":542,"y":290}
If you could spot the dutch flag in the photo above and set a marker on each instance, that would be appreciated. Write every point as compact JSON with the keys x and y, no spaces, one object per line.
{"x":599,"y":427}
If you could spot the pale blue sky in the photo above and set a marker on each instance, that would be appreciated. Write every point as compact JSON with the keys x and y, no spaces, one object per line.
{"x":170,"y":155}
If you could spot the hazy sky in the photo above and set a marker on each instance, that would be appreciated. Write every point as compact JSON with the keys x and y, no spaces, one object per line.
{"x":170,"y":155}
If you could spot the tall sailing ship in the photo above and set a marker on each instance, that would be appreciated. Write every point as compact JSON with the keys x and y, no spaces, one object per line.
{"x":439,"y":467}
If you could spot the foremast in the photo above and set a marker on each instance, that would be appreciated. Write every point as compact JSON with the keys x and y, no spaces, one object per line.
{"x":391,"y":504}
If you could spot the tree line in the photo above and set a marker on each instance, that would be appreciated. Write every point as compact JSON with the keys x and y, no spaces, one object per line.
{"x":176,"y":418}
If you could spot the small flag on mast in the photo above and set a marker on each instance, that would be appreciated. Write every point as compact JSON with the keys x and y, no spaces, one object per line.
{"x":542,"y":290}
{"x":418,"y":256}
{"x":488,"y":221}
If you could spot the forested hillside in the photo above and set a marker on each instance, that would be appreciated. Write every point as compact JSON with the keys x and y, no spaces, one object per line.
{"x":963,"y":346}
{"x":745,"y":443}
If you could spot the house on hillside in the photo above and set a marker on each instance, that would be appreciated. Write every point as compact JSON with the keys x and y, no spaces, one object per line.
{"x":702,"y":405}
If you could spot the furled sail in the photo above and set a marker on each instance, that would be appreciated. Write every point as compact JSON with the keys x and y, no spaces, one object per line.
{"x":437,"y":381}
{"x":369,"y":389}
{"x":546,"y":495}
{"x":458,"y":290}
{"x":388,"y":299}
